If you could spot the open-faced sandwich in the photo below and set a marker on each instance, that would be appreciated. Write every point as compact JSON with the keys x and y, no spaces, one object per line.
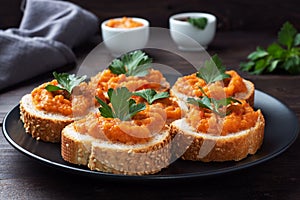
{"x":211,"y":76}
{"x":220,"y":129}
{"x":55,"y":104}
{"x":133,"y":71}
{"x":127,"y":136}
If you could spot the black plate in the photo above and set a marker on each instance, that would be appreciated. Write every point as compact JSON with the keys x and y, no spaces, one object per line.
{"x":280,"y":132}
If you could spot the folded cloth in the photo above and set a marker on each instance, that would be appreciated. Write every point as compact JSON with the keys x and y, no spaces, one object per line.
{"x":44,"y":40}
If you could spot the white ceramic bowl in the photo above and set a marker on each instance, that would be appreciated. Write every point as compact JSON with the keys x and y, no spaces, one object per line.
{"x":123,"y":40}
{"x":188,"y":37}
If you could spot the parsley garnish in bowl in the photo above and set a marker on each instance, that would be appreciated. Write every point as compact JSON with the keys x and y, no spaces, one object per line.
{"x":198,"y":22}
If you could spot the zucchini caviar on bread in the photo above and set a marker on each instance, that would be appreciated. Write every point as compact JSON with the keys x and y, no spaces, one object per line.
{"x":133,"y":71}
{"x":214,"y":74}
{"x":222,"y":129}
{"x":55,"y":104}
{"x":129,"y":134}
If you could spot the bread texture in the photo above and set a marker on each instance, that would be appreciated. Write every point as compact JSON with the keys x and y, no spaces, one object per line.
{"x":40,"y":124}
{"x":207,"y":148}
{"x":118,"y":158}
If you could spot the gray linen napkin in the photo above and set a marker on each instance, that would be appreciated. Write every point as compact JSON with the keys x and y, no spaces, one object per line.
{"x":44,"y":40}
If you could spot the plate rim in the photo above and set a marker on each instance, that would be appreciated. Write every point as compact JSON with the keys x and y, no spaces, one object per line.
{"x":189,"y":175}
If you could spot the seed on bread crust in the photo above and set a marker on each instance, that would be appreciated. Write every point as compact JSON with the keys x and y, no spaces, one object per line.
{"x":105,"y":157}
{"x":38,"y":124}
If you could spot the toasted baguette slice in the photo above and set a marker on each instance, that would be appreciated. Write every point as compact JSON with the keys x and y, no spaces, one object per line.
{"x":40,"y":124}
{"x":117,"y":158}
{"x":206,"y":148}
{"x":248,"y":96}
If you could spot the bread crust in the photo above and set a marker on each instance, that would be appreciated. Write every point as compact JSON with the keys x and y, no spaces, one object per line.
{"x":235,"y":146}
{"x":249,"y":95}
{"x":39,"y":124}
{"x":74,"y":149}
{"x":105,"y":156}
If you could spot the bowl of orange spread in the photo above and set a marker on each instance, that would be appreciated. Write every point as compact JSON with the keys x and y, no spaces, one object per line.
{"x":121,"y":35}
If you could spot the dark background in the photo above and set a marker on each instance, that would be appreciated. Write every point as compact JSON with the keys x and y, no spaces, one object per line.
{"x":232,"y":15}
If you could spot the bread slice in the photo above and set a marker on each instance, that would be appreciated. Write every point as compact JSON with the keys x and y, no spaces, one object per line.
{"x":112,"y":157}
{"x":40,"y":124}
{"x":206,"y":148}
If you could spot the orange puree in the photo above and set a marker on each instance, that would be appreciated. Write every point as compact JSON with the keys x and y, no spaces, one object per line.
{"x":124,"y":22}
{"x":190,"y":84}
{"x":234,"y":84}
{"x":59,"y":102}
{"x":171,"y":108}
{"x":50,"y":101}
{"x":241,"y":117}
{"x":136,"y":131}
{"x":153,"y":80}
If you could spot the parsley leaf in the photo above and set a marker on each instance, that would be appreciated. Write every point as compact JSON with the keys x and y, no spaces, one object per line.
{"x":286,"y":35}
{"x":213,"y":70}
{"x":105,"y":109}
{"x":66,"y":82}
{"x":122,"y":106}
{"x":135,"y":63}
{"x":283,"y":55}
{"x":215,"y":105}
{"x":151,"y":95}
{"x":199,"y":22}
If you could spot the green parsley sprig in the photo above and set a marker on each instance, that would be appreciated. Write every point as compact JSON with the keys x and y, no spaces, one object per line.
{"x":215,"y":105}
{"x":198,"y":22}
{"x":283,"y":55}
{"x":151,"y":95}
{"x":66,"y":82}
{"x":213,"y":70}
{"x":135,"y":63}
{"x":122,"y":106}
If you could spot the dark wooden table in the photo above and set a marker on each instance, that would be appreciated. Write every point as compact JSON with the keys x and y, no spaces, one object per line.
{"x":24,"y":178}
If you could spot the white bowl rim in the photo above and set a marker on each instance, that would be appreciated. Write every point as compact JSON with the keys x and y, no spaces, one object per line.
{"x":211,"y":18}
{"x":142,"y":20}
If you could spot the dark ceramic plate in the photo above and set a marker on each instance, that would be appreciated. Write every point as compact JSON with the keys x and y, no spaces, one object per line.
{"x":281,"y":131}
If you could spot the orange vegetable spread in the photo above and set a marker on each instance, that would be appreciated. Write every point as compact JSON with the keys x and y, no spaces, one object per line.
{"x":190,"y":84}
{"x":124,"y":22}
{"x":139,"y":130}
{"x":153,"y":80}
{"x":170,"y":106}
{"x":241,"y":117}
{"x":59,"y":102}
{"x":54,"y":102}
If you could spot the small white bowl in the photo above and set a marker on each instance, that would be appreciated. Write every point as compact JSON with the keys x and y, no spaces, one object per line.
{"x":188,"y":37}
{"x":123,"y":40}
